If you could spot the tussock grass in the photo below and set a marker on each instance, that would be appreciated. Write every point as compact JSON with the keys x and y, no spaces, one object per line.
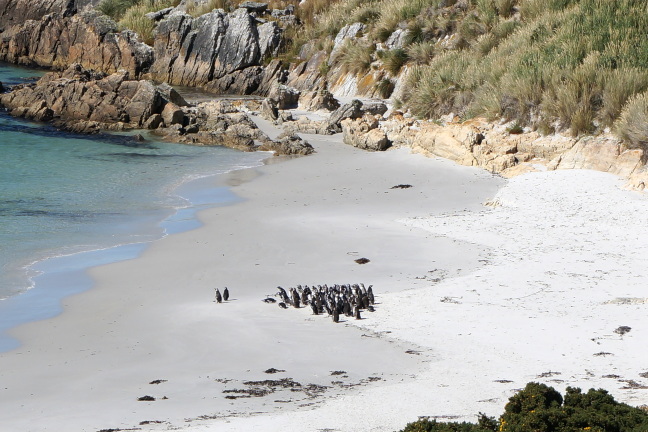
{"x":356,"y":57}
{"x":196,"y":10}
{"x":133,"y":18}
{"x":632,"y":125}
{"x":393,"y":60}
{"x":572,"y":64}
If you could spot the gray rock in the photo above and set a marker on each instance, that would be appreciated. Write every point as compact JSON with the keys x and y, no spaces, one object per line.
{"x":269,"y":110}
{"x":374,"y":107}
{"x":286,"y":97}
{"x":347,"y":32}
{"x":240,"y":47}
{"x":153,"y":122}
{"x":252,"y":6}
{"x":396,"y":39}
{"x":159,"y":15}
{"x":351,"y":110}
{"x":290,"y":144}
{"x":269,"y":39}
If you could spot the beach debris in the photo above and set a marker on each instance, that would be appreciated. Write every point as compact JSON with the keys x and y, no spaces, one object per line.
{"x":158,"y":381}
{"x":632,"y":384}
{"x":219,"y":297}
{"x":402,"y":186}
{"x":602,"y":354}
{"x":643,"y":374}
{"x":146,"y":398}
{"x":548,"y":374}
{"x":338,"y":372}
{"x":622,"y":330}
{"x":413,"y":352}
{"x":503,"y":381}
{"x":273,"y":371}
{"x":362,"y":260}
{"x":225,"y":294}
{"x":613,"y":376}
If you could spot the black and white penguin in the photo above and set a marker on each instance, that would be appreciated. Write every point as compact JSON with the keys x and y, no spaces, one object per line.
{"x":225,"y":294}
{"x":219,"y":298}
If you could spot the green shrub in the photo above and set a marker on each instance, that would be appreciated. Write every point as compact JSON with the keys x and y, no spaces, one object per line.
{"x":540,"y":408}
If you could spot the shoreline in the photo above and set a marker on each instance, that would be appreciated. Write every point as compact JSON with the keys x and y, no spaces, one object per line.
{"x":463,"y":318}
{"x":135,"y":334}
{"x":56,"y":277}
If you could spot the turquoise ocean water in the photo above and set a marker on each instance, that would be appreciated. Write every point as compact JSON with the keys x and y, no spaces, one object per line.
{"x":69,"y":202}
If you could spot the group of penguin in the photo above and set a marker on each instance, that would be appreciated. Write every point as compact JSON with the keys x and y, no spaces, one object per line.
{"x":337,"y":300}
{"x":220,"y":298}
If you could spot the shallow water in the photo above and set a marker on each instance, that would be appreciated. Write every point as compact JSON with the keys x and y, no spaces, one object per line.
{"x":63,"y":193}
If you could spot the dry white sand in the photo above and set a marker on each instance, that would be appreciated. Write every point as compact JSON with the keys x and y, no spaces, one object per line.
{"x":490,"y":298}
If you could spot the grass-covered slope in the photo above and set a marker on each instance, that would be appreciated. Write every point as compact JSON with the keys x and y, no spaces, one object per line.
{"x":577,"y":65}
{"x":553,"y":65}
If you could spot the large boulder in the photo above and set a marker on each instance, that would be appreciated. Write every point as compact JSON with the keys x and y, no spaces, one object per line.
{"x":364,"y":133}
{"x":352,"y":110}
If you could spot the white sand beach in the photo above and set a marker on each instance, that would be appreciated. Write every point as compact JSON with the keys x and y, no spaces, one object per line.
{"x":473,"y":302}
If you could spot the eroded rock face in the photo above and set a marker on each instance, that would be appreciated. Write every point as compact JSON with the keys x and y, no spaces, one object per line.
{"x":221,"y":52}
{"x":89,"y":39}
{"x":84,"y":101}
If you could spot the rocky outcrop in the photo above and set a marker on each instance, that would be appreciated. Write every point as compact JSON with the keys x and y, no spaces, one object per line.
{"x":318,"y":100}
{"x":353,"y":110}
{"x":221,"y":52}
{"x":88,"y":39}
{"x":365,"y":134}
{"x":84,"y":101}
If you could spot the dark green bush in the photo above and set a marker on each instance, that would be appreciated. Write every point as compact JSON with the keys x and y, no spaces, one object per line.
{"x":540,"y":408}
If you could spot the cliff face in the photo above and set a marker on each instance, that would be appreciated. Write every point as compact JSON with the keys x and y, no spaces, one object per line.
{"x":219,"y":51}
{"x":89,"y":39}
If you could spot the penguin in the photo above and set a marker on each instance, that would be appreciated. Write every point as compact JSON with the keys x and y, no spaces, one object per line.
{"x":357,"y":313}
{"x":314,"y":308}
{"x":225,"y":294}
{"x":219,"y":298}
{"x":336,"y":316}
{"x":282,"y":305}
{"x":269,"y":300}
{"x":347,"y":309}
{"x":371,"y":309}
